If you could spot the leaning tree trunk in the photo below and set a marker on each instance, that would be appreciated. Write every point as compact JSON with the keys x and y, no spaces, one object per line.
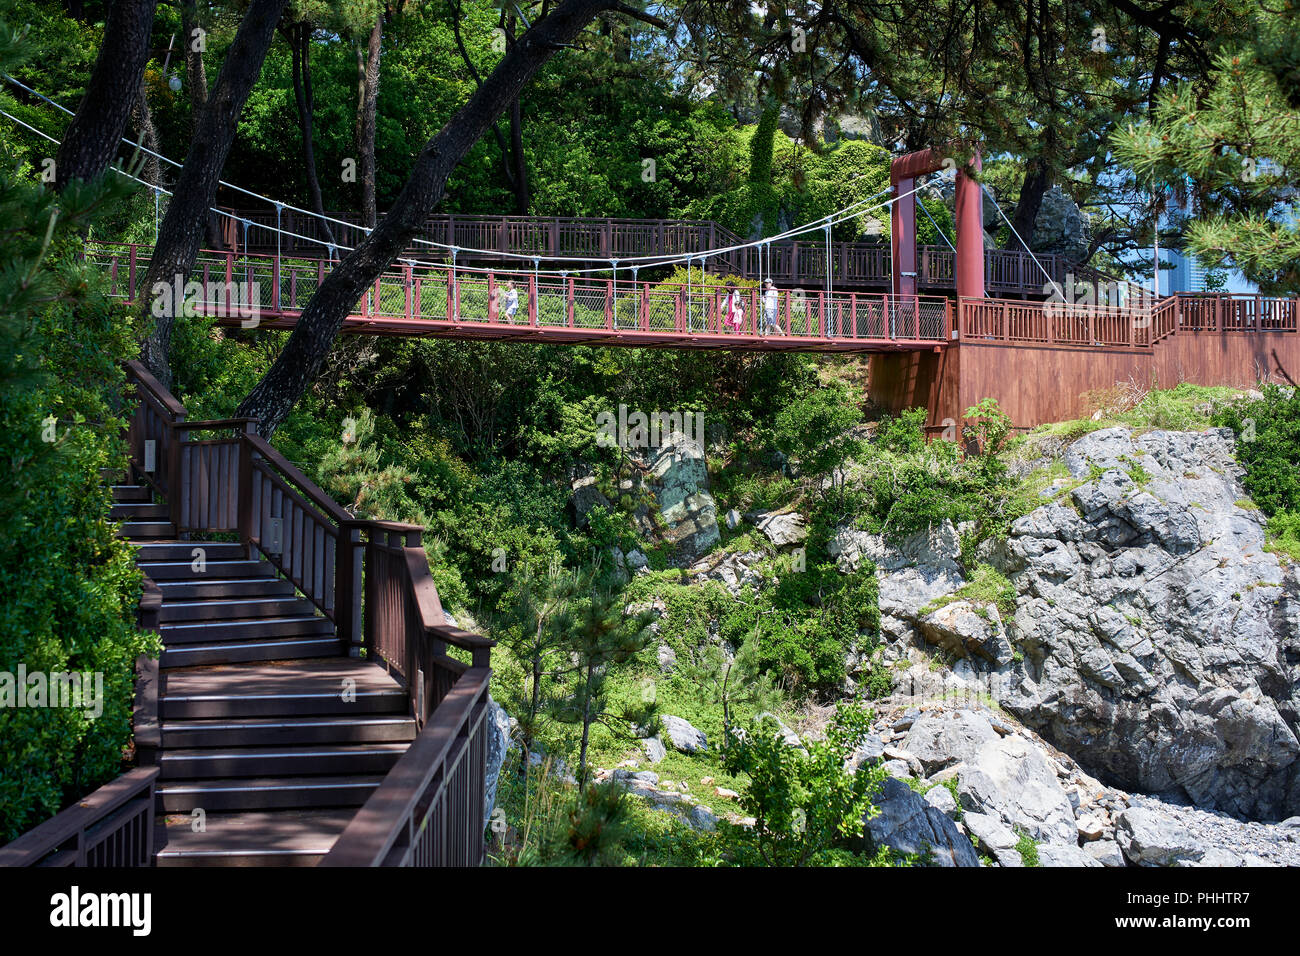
{"x":304,"y":354}
{"x":196,"y":190}
{"x":195,"y":73}
{"x":367,"y":107}
{"x":93,"y":137}
{"x":519,"y":163}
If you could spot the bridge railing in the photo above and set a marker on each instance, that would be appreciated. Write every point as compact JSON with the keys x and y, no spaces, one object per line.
{"x":588,"y":240}
{"x":245,"y":288}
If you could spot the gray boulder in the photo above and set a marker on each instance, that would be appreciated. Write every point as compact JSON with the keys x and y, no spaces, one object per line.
{"x":1105,"y":852}
{"x":1161,"y":641}
{"x":965,"y":628}
{"x":1151,"y":838}
{"x":908,"y":824}
{"x":996,"y":838}
{"x":941,"y":739}
{"x":781,"y":528}
{"x":1009,"y":778}
{"x":497,"y":727}
{"x":684,"y":737}
{"x":654,"y":748}
{"x":1064,"y":854}
{"x":585,"y":498}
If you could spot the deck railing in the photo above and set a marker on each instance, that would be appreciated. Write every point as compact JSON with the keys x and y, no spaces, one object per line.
{"x":372,"y":579}
{"x":1140,"y":326}
{"x":113,"y":826}
{"x":429,"y":809}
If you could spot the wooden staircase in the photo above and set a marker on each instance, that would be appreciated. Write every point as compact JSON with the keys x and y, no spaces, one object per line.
{"x":270,"y":739}
{"x":304,"y":708}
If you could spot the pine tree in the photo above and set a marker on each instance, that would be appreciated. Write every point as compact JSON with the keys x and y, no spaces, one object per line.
{"x":1236,"y":137}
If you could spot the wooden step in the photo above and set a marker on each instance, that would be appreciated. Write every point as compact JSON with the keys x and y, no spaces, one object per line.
{"x":229,"y":609}
{"x":131,"y":492}
{"x":276,"y":731}
{"x":267,"y":793}
{"x":270,"y":838}
{"x":184,"y":590}
{"x":288,"y":761}
{"x":176,"y":551}
{"x":232,"y":652}
{"x":214,"y":570}
{"x":137,"y":511}
{"x":146,"y":529}
{"x":244,"y":629}
{"x":332,"y":685}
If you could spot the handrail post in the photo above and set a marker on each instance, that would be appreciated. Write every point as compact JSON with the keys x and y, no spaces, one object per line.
{"x":354,"y":634}
{"x":175,"y":482}
{"x":134,"y":255}
{"x":244,"y":489}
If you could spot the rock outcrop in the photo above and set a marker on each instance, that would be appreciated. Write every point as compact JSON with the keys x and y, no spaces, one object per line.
{"x":1153,"y":638}
{"x":1161,"y":641}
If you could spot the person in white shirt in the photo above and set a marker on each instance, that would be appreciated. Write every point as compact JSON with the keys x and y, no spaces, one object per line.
{"x":512,"y":301}
{"x":771,"y":309}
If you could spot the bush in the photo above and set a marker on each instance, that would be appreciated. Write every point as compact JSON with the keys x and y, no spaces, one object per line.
{"x":1268,"y":446}
{"x":69,"y":587}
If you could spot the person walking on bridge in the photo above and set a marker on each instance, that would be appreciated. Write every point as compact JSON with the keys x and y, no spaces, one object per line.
{"x":511,"y":301}
{"x":733,"y":309}
{"x":771,"y":309}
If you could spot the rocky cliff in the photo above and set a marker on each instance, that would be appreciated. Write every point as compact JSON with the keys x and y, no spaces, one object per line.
{"x":1154,"y":639}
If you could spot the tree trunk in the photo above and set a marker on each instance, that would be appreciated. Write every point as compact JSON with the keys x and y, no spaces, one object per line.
{"x":309,"y":344}
{"x":519,"y":163}
{"x":147,"y":135}
{"x":196,"y":189}
{"x":93,"y":137}
{"x":300,"y":46}
{"x":195,"y":73}
{"x":367,"y":106}
{"x":1038,"y":178}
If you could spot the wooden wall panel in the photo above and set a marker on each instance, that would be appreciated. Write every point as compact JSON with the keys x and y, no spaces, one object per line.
{"x":1236,"y":358}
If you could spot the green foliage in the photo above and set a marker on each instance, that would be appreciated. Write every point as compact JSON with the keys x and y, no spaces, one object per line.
{"x":804,"y":802}
{"x":1027,"y":847}
{"x":1284,"y":534}
{"x":1237,"y":138}
{"x":814,"y":430}
{"x":1268,"y":446}
{"x":68,"y":586}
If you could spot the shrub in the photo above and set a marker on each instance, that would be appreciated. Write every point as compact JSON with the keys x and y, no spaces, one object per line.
{"x":1268,"y":446}
{"x":68,"y":586}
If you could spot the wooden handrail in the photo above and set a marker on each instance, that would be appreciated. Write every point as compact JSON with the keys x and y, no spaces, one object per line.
{"x":124,"y":806}
{"x":160,"y":394}
{"x":406,"y":820}
{"x":146,"y":727}
{"x":311,"y":490}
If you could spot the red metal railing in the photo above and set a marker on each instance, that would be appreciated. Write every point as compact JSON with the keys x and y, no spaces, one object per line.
{"x":588,"y":240}
{"x":246,"y":289}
